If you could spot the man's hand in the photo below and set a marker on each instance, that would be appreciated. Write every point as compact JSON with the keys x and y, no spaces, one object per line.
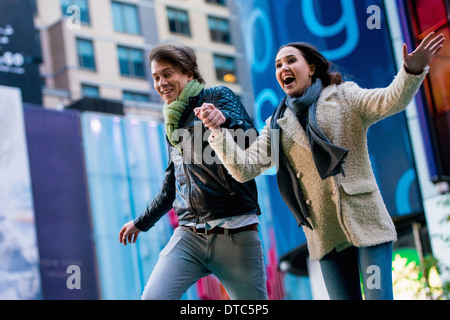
{"x":212,"y":117}
{"x":128,"y":232}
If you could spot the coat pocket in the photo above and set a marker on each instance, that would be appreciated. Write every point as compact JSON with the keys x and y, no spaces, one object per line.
{"x":359,"y":186}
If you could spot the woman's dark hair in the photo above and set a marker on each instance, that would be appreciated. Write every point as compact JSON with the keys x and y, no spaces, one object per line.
{"x":180,"y":57}
{"x":314,"y":57}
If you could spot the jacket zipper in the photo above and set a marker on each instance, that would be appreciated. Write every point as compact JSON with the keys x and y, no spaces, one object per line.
{"x":197,"y":218}
{"x":225,"y":185}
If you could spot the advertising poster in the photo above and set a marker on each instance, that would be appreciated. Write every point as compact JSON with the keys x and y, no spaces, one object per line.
{"x":61,"y":204}
{"x":19,"y":257}
{"x":20,"y":53}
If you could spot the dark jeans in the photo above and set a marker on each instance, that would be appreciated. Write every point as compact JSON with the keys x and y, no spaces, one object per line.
{"x":343,"y":272}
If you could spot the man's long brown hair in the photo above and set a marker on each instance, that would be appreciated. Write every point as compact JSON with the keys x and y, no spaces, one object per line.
{"x":180,"y":57}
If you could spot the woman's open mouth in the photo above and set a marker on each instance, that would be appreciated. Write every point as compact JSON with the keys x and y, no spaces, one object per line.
{"x":288,"y":80}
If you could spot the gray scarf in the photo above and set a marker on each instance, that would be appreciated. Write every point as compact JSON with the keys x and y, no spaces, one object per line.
{"x":328,"y":157}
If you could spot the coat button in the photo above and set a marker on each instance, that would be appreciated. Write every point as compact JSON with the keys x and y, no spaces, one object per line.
{"x":308,"y":202}
{"x":299,"y":175}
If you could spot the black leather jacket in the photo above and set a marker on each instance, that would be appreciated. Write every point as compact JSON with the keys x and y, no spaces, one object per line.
{"x":196,"y":184}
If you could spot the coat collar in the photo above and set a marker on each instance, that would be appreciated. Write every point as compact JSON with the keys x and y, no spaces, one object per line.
{"x":328,"y":92}
{"x":292,"y":127}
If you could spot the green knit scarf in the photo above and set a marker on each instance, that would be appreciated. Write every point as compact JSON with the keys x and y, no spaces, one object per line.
{"x":173,"y":111}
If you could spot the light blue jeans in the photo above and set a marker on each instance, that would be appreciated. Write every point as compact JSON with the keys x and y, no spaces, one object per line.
{"x":236,"y":260}
{"x":343,"y":272}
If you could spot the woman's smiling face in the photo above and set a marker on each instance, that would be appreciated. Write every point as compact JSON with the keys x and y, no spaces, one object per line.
{"x":293,"y":72}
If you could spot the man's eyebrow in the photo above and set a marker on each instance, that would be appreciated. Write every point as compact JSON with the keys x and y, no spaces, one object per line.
{"x":162,"y":71}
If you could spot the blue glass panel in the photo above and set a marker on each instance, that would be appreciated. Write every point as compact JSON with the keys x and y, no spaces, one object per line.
{"x":109,"y":191}
{"x":125,"y":161}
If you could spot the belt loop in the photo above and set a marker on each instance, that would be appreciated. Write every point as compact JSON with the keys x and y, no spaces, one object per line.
{"x":196,"y":231}
{"x":226,"y":231}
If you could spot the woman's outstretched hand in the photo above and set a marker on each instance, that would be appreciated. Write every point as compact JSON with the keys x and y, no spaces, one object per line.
{"x":416,"y":62}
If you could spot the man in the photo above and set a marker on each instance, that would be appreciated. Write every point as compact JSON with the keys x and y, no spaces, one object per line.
{"x":217,"y":231}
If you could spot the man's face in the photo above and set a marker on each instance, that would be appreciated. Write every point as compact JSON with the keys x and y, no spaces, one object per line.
{"x":169,"y":82}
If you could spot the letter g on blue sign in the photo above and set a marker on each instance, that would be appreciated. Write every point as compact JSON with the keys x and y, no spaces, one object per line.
{"x":259,"y":65}
{"x":266,"y":95}
{"x":347,"y":21}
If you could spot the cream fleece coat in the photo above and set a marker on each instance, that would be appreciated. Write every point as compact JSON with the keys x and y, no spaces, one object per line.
{"x":344,"y":211}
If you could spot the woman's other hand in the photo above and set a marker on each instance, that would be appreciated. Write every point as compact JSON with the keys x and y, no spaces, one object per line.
{"x":430,"y":46}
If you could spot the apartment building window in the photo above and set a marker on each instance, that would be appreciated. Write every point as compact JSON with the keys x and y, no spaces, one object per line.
{"x":88,"y":90}
{"x":225,"y":68}
{"x":220,"y":30}
{"x":126,"y":18}
{"x":135,"y":96}
{"x":82,"y":4}
{"x":219,"y":2}
{"x":86,"y":55}
{"x":178,"y":21}
{"x":131,"y":62}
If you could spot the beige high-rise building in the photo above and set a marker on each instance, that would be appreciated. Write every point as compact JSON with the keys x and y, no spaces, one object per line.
{"x":99,"y":48}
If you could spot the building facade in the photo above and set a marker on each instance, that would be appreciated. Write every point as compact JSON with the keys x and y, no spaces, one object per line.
{"x":100,"y":48}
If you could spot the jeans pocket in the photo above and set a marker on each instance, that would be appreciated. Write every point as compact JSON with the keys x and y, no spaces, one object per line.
{"x":170,"y":245}
{"x":246,"y":239}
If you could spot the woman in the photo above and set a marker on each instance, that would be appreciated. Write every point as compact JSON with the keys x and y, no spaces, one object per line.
{"x":323,"y":167}
{"x":217,"y":216}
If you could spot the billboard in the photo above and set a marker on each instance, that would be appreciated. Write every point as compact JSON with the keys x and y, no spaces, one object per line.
{"x":61,"y":203}
{"x":20,"y":52}
{"x":418,"y":19}
{"x":19,"y":256}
